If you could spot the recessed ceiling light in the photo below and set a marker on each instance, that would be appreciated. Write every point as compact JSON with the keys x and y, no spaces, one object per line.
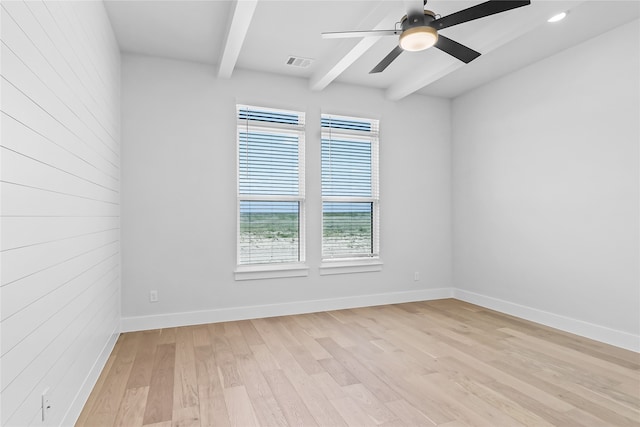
{"x":559,"y":17}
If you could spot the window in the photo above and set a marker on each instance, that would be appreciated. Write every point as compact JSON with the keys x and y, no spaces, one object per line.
{"x":350,"y":212}
{"x":270,"y":186}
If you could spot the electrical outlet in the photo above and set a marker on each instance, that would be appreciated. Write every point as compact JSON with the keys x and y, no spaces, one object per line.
{"x":45,"y":404}
{"x":153,"y":296}
{"x":416,"y":276}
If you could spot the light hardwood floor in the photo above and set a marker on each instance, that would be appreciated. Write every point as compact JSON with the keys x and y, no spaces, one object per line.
{"x":435,"y":363}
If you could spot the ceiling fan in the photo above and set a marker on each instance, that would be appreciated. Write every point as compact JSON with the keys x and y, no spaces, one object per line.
{"x":418,"y":30}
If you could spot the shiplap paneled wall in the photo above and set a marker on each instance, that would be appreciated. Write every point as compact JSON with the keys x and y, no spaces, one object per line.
{"x":60,"y":183}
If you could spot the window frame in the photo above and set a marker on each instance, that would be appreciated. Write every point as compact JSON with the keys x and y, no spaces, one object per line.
{"x":351,"y":263}
{"x":247,"y":271}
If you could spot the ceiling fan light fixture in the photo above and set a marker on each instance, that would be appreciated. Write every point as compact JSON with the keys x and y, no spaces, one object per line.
{"x":418,"y":38}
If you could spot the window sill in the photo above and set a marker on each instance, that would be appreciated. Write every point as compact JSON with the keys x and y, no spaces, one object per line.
{"x":350,"y":266}
{"x":254,"y":272}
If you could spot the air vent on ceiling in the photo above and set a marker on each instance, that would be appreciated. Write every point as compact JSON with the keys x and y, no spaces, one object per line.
{"x":297,"y":61}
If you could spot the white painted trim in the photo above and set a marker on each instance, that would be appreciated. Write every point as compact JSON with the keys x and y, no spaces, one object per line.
{"x":80,"y":399}
{"x":351,"y":266}
{"x":589,"y":330}
{"x":140,"y":323}
{"x":274,"y":271}
{"x":567,"y":324}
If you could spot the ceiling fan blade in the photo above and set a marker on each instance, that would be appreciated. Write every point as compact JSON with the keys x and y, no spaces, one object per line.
{"x":479,"y":11}
{"x":387,"y":60}
{"x":348,"y":34}
{"x":456,"y":49}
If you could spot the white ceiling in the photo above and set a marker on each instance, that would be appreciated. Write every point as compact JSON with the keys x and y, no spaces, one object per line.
{"x":261,"y":35}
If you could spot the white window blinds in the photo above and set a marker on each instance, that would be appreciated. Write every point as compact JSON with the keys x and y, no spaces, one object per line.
{"x":350,"y":211}
{"x":270,"y":185}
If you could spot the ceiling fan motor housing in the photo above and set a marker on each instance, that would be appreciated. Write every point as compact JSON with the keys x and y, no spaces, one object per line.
{"x":417,"y":20}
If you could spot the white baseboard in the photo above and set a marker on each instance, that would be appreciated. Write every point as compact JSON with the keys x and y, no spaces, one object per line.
{"x":585,"y":329}
{"x":74,"y":410}
{"x":567,"y":324}
{"x":140,"y":323}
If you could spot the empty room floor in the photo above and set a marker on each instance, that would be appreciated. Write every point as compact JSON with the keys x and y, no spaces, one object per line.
{"x":434,"y":363}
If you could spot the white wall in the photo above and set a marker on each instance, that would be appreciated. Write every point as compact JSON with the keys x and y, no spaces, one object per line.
{"x":60,"y":281}
{"x":546,"y":187}
{"x":179,"y":195}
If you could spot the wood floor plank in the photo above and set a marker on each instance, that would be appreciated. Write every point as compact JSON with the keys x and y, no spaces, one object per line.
{"x":409,"y":414}
{"x":251,"y":336}
{"x":201,"y":335}
{"x":293,"y":408}
{"x":380,"y":389}
{"x":535,"y":406}
{"x":266,"y":407}
{"x":333,"y":328}
{"x":284,"y":335}
{"x":455,"y":423}
{"x":574,"y":400}
{"x":97,"y":389}
{"x":329,"y":387}
{"x":583,"y":345}
{"x":239,"y":407}
{"x":232,"y":329}
{"x":160,"y":424}
{"x":239,"y":346}
{"x":277,"y":341}
{"x":353,"y":414}
{"x":131,"y":412}
{"x":225,"y":359}
{"x":449,"y":402}
{"x":159,"y":406}
{"x":305,"y":359}
{"x":310,"y":326}
{"x":465,"y":398}
{"x":186,"y":417}
{"x":167,"y":336}
{"x":484,"y":391}
{"x":313,"y":397}
{"x":433,"y":363}
{"x":268,"y":411}
{"x":140,"y":375}
{"x":391,"y":364}
{"x":375,"y":409}
{"x":595,"y":365}
{"x":213,"y":409}
{"x":338,"y":372}
{"x":265,"y":359}
{"x":595,"y":386}
{"x":105,"y":408}
{"x":305,"y":339}
{"x":185,"y":391}
{"x":497,"y":372}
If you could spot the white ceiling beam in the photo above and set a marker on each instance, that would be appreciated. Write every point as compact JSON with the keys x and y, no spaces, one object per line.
{"x":241,"y":15}
{"x":321,"y":80}
{"x":341,"y":61}
{"x":486,"y":41}
{"x":420,"y":79}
